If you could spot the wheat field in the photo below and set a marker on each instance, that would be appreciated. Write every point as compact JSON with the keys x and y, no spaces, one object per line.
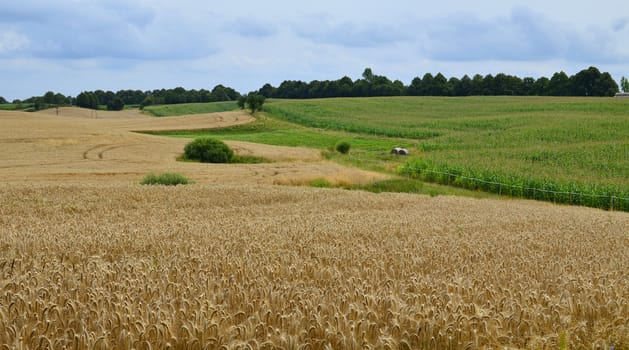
{"x":89,"y":259}
{"x":76,"y":147}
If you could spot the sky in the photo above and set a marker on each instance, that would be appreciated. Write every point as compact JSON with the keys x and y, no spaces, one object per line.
{"x":69,"y":46}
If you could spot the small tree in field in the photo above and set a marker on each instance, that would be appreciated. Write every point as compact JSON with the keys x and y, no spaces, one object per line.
{"x":242,"y":100}
{"x":253,"y":102}
{"x":624,"y":84}
{"x":208,"y":150}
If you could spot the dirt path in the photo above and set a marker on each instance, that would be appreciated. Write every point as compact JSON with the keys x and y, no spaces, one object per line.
{"x":75,"y":146}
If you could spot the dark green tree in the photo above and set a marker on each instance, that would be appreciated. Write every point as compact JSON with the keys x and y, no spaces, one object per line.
{"x":60,"y":99}
{"x":477,"y":85}
{"x":368,"y":75}
{"x":541,"y":87}
{"x":219,"y":93}
{"x":591,"y":82}
{"x":427,"y":85}
{"x":117,"y":104}
{"x":267,"y":91}
{"x":49,"y":98}
{"x":463,"y":88}
{"x":87,"y":99}
{"x":3,"y":101}
{"x":624,"y":84}
{"x":254,"y":102}
{"x":242,"y":101}
{"x":415,"y":88}
{"x":489,"y":85}
{"x":148,"y":101}
{"x":559,"y":85}
{"x":440,"y":86}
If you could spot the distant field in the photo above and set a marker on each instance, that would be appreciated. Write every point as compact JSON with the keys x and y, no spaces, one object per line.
{"x":567,"y":144}
{"x":190,"y":108}
{"x":558,"y":140}
{"x":14,"y":107}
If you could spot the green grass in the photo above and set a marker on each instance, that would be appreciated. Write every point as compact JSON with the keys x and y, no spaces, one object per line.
{"x":165,"y":179}
{"x":567,"y":139}
{"x":15,"y":107}
{"x":190,"y":108}
{"x":567,"y":144}
{"x":367,"y":151}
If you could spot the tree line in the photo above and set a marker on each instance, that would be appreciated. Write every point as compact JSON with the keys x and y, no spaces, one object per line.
{"x":588,"y":82}
{"x":117,"y":100}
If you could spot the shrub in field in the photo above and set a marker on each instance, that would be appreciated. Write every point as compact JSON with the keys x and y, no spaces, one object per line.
{"x":208,"y":150}
{"x":167,"y":179}
{"x":343,"y":147}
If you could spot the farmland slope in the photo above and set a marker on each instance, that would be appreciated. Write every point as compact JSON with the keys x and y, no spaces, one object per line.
{"x":91,"y":259}
{"x":78,"y":146}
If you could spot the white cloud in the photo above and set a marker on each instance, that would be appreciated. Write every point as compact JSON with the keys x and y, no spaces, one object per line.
{"x":119,"y":44}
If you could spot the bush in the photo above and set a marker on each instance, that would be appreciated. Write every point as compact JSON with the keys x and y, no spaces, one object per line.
{"x":208,"y":150}
{"x":167,"y":179}
{"x":343,"y":147}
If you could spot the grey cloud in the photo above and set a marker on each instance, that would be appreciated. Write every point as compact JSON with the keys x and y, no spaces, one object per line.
{"x":74,"y":29}
{"x":524,"y":36}
{"x":323,"y":29}
{"x":465,"y":37}
{"x":251,"y":28}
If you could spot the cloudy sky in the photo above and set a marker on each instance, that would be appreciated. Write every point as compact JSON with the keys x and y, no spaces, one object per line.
{"x":69,"y":46}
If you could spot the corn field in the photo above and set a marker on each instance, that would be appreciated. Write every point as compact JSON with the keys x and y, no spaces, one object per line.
{"x":270,"y":267}
{"x":609,"y":197}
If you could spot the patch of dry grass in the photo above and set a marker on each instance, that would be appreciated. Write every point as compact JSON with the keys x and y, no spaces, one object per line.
{"x":46,"y":148}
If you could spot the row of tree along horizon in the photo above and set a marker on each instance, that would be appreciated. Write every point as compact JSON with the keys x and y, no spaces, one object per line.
{"x":588,"y":82}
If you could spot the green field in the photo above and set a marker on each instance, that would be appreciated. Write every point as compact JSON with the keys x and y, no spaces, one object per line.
{"x":14,"y":107}
{"x":556,"y":144}
{"x":190,"y":108}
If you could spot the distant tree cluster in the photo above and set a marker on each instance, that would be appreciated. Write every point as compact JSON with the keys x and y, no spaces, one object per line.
{"x":164,"y":96}
{"x":50,"y":99}
{"x":624,"y":84}
{"x":117,"y":100}
{"x":87,"y":99}
{"x":252,"y":101}
{"x":588,"y":82}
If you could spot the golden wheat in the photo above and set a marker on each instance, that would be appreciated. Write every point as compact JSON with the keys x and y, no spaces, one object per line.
{"x":74,"y":148}
{"x":264,"y":267}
